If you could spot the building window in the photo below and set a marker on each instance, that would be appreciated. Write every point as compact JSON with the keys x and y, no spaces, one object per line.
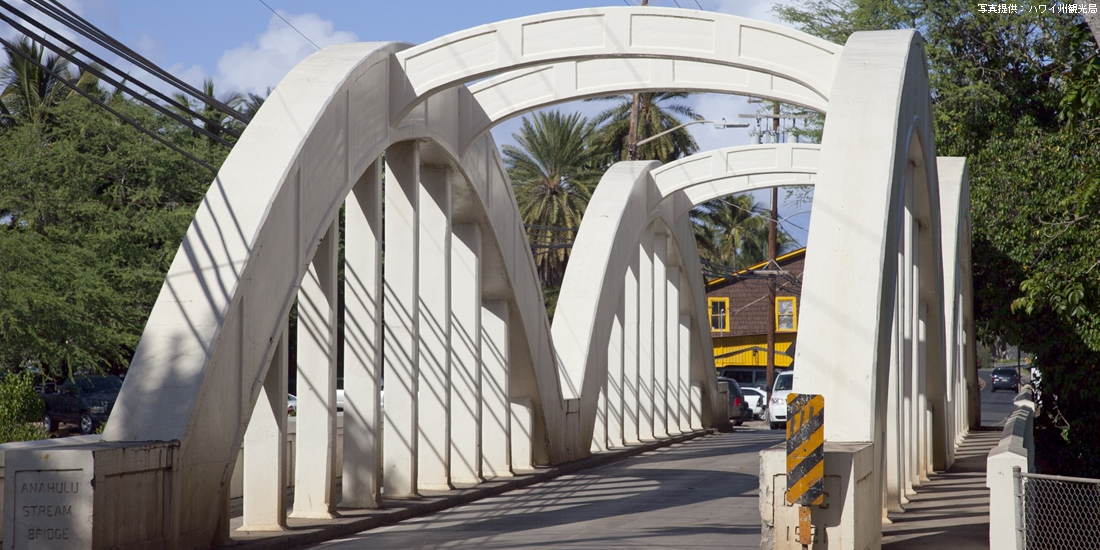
{"x":719,"y":314}
{"x":786,"y":317}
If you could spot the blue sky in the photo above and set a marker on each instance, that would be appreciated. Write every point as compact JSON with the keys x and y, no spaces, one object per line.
{"x":244,"y":47}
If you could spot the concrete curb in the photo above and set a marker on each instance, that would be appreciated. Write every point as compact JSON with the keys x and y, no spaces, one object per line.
{"x":357,"y":520}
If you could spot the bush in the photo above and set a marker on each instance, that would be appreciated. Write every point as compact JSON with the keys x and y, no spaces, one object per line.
{"x":21,"y":409}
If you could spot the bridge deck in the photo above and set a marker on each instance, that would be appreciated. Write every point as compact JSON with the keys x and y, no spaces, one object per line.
{"x":701,"y":493}
{"x":952,"y":510}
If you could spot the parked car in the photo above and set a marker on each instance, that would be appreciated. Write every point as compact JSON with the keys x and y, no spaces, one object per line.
{"x":1005,"y":378}
{"x":757,"y":399}
{"x":83,"y":400}
{"x":777,"y":408}
{"x":291,"y":404}
{"x":739,"y":408}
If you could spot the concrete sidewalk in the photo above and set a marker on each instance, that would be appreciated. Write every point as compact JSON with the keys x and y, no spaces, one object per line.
{"x":951,"y":510}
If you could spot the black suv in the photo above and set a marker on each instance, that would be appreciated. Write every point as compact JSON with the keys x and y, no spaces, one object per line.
{"x":739,"y":407}
{"x":1005,"y":378}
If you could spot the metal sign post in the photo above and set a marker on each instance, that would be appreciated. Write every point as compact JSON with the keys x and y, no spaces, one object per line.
{"x":805,"y":458}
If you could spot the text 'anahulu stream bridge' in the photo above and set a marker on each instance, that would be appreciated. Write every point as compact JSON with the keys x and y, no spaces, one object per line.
{"x":441,"y":291}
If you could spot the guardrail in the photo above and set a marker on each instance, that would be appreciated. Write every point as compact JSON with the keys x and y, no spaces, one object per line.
{"x":1014,"y":452}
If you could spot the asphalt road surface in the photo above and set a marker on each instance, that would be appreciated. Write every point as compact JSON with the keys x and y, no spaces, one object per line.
{"x":996,"y":406}
{"x":699,"y":494}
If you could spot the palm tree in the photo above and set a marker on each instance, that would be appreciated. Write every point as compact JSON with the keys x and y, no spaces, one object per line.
{"x":656,"y":113}
{"x":28,"y":91}
{"x":733,"y":232}
{"x":216,"y":120}
{"x":553,"y":173}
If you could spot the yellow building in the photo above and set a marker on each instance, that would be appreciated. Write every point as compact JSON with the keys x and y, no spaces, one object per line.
{"x":740,"y":312}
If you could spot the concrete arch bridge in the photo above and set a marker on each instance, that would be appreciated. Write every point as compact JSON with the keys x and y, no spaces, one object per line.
{"x":441,"y":292}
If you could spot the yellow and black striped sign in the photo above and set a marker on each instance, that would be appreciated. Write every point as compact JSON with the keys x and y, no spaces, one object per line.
{"x":805,"y":449}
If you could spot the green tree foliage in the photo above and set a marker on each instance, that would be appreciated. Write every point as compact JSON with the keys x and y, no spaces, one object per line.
{"x":657,"y":112}
{"x":91,"y":213}
{"x":1016,"y":93}
{"x":733,"y":232}
{"x":553,"y":173}
{"x":21,"y":409}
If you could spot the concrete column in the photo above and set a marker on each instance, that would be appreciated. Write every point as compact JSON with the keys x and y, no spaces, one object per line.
{"x":315,"y":442}
{"x":615,"y":382}
{"x":466,"y":354}
{"x":908,"y":433}
{"x":672,"y":349}
{"x":688,"y":414}
{"x":401,"y":351}
{"x":495,"y":390}
{"x":645,"y":336}
{"x":894,"y":485}
{"x":924,"y":428}
{"x":362,"y":479}
{"x":599,"y":429}
{"x":696,"y":407}
{"x":523,"y":422}
{"x":660,"y":335}
{"x":264,"y":472}
{"x":630,"y":352}
{"x":914,"y":373}
{"x":434,"y":391}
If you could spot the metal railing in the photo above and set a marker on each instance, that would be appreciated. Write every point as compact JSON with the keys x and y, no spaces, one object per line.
{"x":1056,"y":512}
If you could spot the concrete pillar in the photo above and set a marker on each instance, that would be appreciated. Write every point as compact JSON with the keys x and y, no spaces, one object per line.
{"x":400,"y":294}
{"x":599,"y":429}
{"x":315,"y":442}
{"x":264,"y":472}
{"x":912,"y":284}
{"x":615,"y":382}
{"x":466,"y":354}
{"x":362,"y":479}
{"x":495,"y":390}
{"x":894,"y":434}
{"x":660,"y":335}
{"x":672,"y":349}
{"x":523,"y":422}
{"x":912,"y":457}
{"x":434,"y":394}
{"x":688,"y":414}
{"x":924,"y":427}
{"x":630,"y":352}
{"x":645,"y":335}
{"x":696,"y":407}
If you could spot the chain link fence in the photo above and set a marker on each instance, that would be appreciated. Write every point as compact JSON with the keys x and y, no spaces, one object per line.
{"x":1056,"y":512}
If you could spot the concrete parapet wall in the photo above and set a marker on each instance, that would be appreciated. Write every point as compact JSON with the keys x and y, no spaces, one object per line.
{"x":40,"y":444}
{"x":1016,"y":448}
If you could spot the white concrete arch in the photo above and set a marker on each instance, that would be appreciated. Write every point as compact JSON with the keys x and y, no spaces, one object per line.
{"x":629,"y":233}
{"x":614,"y":32}
{"x":721,"y":172}
{"x":858,"y":282}
{"x":259,"y":240}
{"x":516,"y":92}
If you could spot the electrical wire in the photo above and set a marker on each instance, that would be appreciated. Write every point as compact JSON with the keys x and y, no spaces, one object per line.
{"x":108,"y":108}
{"x":59,"y":12}
{"x":121,"y":86}
{"x":289,"y":25}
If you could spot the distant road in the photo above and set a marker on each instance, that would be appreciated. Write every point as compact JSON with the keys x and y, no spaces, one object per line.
{"x":995,"y":406}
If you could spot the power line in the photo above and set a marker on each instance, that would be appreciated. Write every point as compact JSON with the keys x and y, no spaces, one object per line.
{"x":289,"y":25}
{"x":698,"y":4}
{"x":91,"y":98}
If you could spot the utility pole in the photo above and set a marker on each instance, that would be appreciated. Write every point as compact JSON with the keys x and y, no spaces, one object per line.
{"x":773,"y":221}
{"x":632,"y":134}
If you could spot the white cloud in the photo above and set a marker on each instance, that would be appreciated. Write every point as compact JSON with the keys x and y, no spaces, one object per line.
{"x":753,"y":9}
{"x":255,"y":66}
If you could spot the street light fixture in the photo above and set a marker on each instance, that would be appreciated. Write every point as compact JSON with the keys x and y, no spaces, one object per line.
{"x":718,"y":125}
